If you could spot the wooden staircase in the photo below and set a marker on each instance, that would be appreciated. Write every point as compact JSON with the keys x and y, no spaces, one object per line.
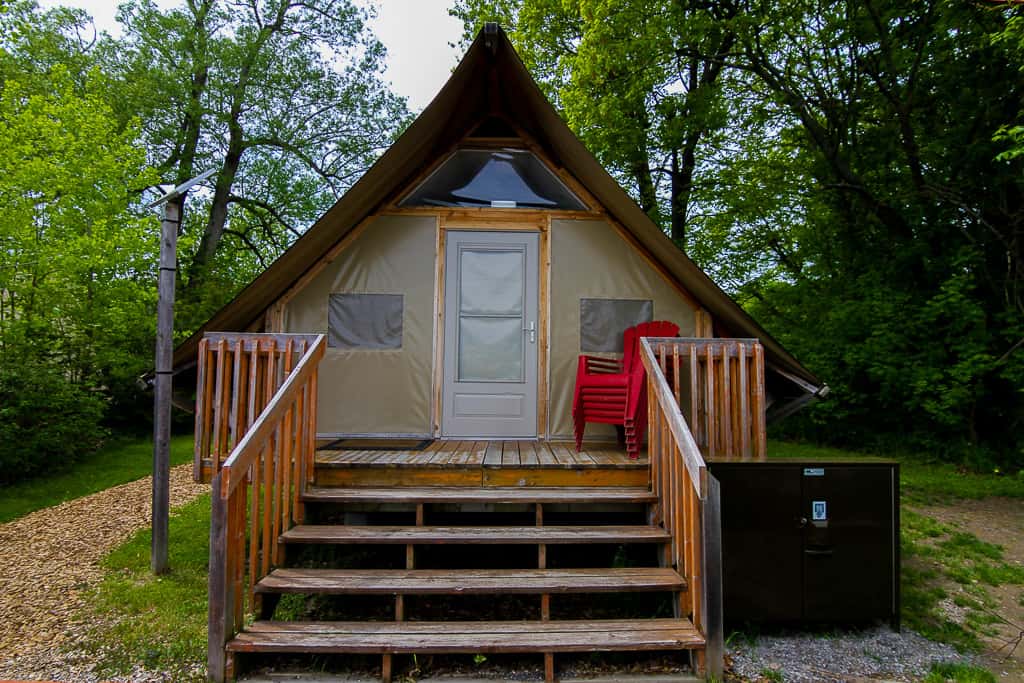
{"x":278,"y":528}
{"x":406,"y":636}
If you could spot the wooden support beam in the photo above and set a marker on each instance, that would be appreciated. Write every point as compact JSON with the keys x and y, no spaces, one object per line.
{"x":544,"y":327}
{"x":437,"y":375}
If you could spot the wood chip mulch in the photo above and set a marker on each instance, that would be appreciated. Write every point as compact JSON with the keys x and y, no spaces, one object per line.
{"x":51,"y":557}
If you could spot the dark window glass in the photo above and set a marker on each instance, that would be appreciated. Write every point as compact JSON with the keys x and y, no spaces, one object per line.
{"x":505,"y":178}
{"x":364,"y":321}
{"x":603,"y":321}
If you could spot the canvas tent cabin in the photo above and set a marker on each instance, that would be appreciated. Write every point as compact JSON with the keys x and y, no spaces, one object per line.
{"x":445,"y":298}
{"x":375,"y":273}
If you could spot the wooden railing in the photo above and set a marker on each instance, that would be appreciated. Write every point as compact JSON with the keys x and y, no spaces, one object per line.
{"x":719,"y":386}
{"x":688,"y":503}
{"x":257,"y":487}
{"x":238,"y":374}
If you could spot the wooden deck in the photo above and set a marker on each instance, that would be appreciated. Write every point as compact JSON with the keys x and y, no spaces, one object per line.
{"x":481,"y":463}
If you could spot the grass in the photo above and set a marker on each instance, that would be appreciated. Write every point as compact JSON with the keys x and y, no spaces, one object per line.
{"x":116,"y":463}
{"x":935,"y":555}
{"x":932,"y":552}
{"x":159,"y":622}
{"x":959,"y":673}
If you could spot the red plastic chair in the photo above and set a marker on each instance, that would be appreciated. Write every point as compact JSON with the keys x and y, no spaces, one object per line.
{"x":613,"y":391}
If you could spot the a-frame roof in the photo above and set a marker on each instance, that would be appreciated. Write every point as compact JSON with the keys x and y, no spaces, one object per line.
{"x":490,"y":79}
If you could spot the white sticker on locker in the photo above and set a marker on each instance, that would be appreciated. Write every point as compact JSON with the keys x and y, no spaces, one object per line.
{"x":819,"y":511}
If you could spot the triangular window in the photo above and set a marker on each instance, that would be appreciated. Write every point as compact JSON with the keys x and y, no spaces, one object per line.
{"x":500,"y":178}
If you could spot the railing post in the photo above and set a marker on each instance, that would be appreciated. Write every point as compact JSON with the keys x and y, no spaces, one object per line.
{"x":711,"y":527}
{"x":221,"y":593}
{"x":760,"y":442}
{"x":200,"y":449}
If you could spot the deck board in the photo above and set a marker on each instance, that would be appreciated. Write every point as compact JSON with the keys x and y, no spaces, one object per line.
{"x":508,"y":535}
{"x":494,"y":494}
{"x":476,"y":457}
{"x":426,"y":637}
{"x":493,"y":455}
{"x":545,"y":455}
{"x":510,"y":454}
{"x":464,"y":462}
{"x":562,"y":454}
{"x":528,"y":454}
{"x":470,"y":581}
{"x":496,"y":453}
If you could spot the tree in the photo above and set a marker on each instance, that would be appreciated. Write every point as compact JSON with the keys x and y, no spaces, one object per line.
{"x":284,"y":99}
{"x":76,"y":274}
{"x":912,"y":254}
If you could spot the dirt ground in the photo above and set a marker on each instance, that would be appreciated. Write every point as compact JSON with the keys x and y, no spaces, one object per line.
{"x":999,"y":521}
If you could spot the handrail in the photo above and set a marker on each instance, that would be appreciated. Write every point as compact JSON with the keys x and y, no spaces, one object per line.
{"x":688,"y":504}
{"x":657,"y":383}
{"x":258,"y":487}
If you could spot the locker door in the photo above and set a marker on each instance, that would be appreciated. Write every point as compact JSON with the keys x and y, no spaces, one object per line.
{"x":848,"y":554}
{"x":761,"y":541}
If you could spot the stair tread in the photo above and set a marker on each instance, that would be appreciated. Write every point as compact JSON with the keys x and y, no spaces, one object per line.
{"x":329,"y":533}
{"x":468,"y":494}
{"x":470,"y":581}
{"x":467,"y":636}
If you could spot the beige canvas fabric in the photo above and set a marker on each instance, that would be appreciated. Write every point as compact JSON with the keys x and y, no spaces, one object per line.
{"x":377,"y":391}
{"x":590,"y":260}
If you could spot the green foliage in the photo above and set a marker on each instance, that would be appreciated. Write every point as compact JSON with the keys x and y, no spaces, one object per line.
{"x":45,"y":422}
{"x":944,"y":672}
{"x":117,"y":462}
{"x":285,"y":100}
{"x":159,"y":621}
{"x":77,"y":277}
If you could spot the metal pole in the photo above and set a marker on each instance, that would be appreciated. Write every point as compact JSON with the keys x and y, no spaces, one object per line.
{"x":162,"y":394}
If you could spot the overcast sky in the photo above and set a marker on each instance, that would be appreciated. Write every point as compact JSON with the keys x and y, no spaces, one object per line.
{"x":416,"y":33}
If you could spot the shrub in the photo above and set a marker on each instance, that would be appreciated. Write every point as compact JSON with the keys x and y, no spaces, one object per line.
{"x":46,"y":422}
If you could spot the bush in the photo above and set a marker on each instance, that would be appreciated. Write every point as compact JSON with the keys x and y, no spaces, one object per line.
{"x":46,"y":422}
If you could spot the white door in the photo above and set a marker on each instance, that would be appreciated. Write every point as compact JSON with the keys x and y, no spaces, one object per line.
{"x":490,"y":335}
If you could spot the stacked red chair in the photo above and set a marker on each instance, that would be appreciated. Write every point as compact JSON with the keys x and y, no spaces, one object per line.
{"x":614,"y":391}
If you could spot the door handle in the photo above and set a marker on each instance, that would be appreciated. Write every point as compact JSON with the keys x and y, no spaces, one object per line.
{"x":532,"y":329}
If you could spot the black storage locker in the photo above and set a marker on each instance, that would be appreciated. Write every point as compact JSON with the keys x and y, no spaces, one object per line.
{"x":810,"y":541}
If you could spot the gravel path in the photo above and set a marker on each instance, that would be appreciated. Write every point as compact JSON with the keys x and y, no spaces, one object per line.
{"x":50,"y":557}
{"x":872,"y":654}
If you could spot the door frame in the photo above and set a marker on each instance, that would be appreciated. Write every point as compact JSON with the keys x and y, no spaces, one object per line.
{"x":499,"y":220}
